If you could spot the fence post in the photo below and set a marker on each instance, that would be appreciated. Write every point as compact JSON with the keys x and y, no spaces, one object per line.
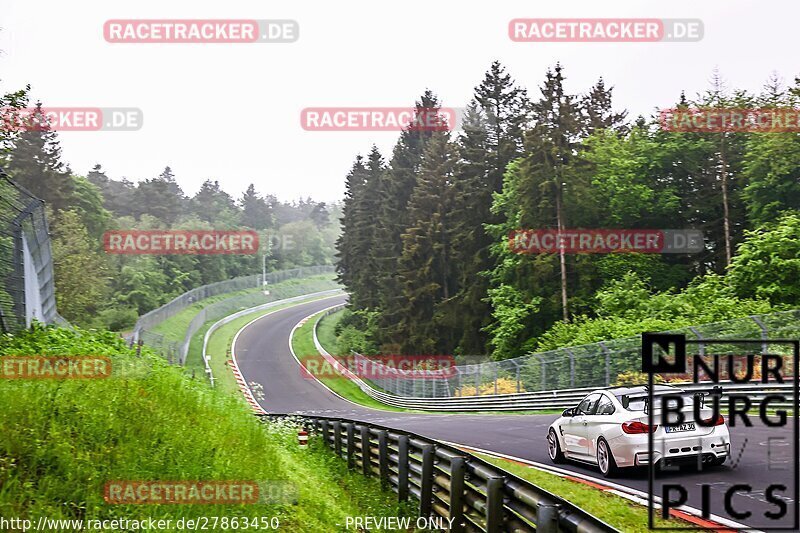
{"x":325,"y":432}
{"x":351,"y":445}
{"x":494,"y":504}
{"x":139,"y":348}
{"x":458,"y":469}
{"x":383,"y":456}
{"x":366,"y":460}
{"x":607,"y":354}
{"x":426,"y":481}
{"x":477,"y":379}
{"x":701,"y":347}
{"x":337,"y":437}
{"x":495,"y":379}
{"x":764,"y":333}
{"x":519,"y":383}
{"x":571,"y":368}
{"x":402,"y":468}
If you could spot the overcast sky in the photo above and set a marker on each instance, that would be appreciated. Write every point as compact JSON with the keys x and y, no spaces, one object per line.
{"x":231,"y":111}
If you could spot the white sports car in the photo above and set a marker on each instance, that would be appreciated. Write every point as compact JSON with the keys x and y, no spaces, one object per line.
{"x":609,"y":428}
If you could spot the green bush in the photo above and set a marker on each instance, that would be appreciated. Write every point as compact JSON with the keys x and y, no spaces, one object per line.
{"x":62,"y":440}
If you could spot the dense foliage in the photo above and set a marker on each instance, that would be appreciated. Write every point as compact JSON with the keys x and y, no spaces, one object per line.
{"x":100,"y":290}
{"x":63,"y":439}
{"x":424,"y":250}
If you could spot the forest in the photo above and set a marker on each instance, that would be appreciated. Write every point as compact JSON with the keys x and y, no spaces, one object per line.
{"x":101,"y":290}
{"x":424,"y":249}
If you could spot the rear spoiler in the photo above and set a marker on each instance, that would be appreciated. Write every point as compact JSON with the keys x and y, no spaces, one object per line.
{"x":699,"y":396}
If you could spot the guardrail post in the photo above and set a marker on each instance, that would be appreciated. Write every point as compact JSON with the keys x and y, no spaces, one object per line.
{"x":458,"y":469}
{"x":337,"y":437}
{"x":366,"y":460}
{"x":383,"y":456}
{"x":426,"y":481}
{"x":402,"y":468}
{"x":494,"y":504}
{"x":547,"y":518}
{"x":325,"y":432}
{"x":351,"y":445}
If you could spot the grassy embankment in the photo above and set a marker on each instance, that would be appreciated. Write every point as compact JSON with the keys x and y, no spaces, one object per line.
{"x":62,"y":440}
{"x":174,"y":328}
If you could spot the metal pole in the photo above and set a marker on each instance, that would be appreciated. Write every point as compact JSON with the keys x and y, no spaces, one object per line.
{"x":547,"y":518}
{"x":337,"y":437}
{"x":571,"y":368}
{"x":383,"y":456}
{"x":325,"y":433}
{"x":607,"y":353}
{"x":402,"y":468}
{"x":458,"y":469}
{"x":426,"y":481}
{"x":764,"y":333}
{"x":366,"y":460}
{"x":494,"y":504}
{"x":351,"y":445}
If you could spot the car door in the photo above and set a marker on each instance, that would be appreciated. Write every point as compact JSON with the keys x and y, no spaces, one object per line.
{"x":575,"y":429}
{"x":597,"y":423}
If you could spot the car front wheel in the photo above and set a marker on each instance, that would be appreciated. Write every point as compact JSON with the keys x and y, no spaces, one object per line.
{"x":605,"y":459}
{"x":554,"y":448}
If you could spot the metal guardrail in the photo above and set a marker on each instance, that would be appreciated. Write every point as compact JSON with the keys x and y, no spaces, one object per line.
{"x":526,"y":401}
{"x":596,"y":365}
{"x":27,"y":282}
{"x":230,"y":318}
{"x":178,"y":351}
{"x":449,"y":482}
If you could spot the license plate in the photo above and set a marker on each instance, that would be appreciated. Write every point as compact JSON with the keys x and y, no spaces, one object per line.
{"x":683,"y":427}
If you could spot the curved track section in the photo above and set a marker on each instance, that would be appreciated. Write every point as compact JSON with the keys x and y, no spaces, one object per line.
{"x":263,"y":354}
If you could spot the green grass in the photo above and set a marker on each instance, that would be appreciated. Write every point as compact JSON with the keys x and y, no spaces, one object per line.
{"x":174,"y":328}
{"x":219,"y":345}
{"x":303,"y":346}
{"x":62,"y":440}
{"x":326,"y":332}
{"x":623,"y":514}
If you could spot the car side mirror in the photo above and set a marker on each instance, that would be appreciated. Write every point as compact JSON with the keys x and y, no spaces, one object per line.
{"x":567,"y":412}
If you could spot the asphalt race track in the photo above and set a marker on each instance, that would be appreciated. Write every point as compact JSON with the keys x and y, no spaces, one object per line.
{"x":263,"y":355}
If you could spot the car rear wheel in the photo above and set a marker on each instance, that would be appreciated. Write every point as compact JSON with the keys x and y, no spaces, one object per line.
{"x":554,"y":448}
{"x":605,"y":459}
